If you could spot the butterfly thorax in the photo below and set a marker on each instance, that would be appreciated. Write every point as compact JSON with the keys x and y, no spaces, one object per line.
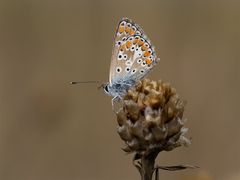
{"x":118,"y":89}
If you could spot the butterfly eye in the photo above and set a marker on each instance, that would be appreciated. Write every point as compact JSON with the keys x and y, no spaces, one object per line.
{"x":118,"y":69}
{"x":139,"y":61}
{"x":106,"y":89}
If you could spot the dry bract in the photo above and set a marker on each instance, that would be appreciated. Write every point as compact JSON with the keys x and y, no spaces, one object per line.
{"x":151,"y":118}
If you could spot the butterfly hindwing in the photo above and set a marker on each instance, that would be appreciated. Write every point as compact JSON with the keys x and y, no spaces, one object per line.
{"x":144,"y":58}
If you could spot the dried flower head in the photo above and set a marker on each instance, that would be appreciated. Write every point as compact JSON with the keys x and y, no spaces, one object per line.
{"x":151,"y":118}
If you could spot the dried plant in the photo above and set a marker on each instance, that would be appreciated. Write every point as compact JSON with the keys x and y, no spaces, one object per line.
{"x":150,"y":120}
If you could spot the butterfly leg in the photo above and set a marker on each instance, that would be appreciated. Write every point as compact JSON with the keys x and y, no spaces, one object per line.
{"x":116,"y":103}
{"x":114,"y":99}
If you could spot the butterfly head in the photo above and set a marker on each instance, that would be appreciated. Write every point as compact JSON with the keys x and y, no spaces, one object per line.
{"x":106,"y":88}
{"x":117,"y":89}
{"x":110,"y":89}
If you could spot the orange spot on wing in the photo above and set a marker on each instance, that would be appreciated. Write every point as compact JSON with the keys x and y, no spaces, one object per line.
{"x":135,"y":41}
{"x":148,"y":61}
{"x":146,"y":54}
{"x":122,"y":47}
{"x":144,"y":48}
{"x":132,"y":32}
{"x":140,"y":43}
{"x":121,"y":29}
{"x":128,"y":44}
{"x":127,"y":29}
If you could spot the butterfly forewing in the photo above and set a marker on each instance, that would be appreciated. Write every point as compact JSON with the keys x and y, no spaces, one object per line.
{"x":120,"y":55}
{"x":133,"y":55}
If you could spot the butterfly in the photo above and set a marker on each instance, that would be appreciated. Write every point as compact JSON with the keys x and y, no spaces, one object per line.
{"x":133,"y":57}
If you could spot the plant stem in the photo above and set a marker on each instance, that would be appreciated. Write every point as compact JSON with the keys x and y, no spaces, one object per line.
{"x":148,"y":162}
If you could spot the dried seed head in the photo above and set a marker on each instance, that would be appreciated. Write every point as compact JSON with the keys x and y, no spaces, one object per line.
{"x":152,"y":118}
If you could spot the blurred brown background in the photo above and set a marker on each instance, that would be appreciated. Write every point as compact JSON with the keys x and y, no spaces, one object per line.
{"x":50,"y":130}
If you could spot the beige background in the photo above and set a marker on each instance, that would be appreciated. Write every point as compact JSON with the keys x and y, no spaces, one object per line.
{"x":50,"y":130}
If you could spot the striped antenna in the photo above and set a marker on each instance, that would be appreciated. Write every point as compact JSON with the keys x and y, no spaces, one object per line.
{"x":83,"y":82}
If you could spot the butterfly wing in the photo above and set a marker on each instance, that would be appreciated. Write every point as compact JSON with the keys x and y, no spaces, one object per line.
{"x":125,"y":28}
{"x":133,"y":55}
{"x":144,"y":58}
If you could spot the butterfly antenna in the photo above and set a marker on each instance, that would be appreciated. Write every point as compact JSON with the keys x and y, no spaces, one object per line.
{"x":102,"y":85}
{"x":83,"y":82}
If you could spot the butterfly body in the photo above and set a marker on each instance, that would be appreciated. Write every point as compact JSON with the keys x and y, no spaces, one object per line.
{"x":133,"y":56}
{"x":118,"y":89}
